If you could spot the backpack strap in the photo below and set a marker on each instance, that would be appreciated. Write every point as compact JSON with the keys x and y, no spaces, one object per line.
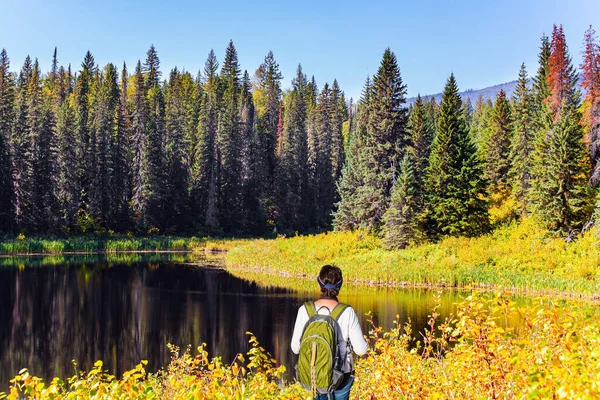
{"x":338,"y":310}
{"x":310,"y":308}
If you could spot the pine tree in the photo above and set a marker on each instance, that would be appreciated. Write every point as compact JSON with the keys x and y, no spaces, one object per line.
{"x":267,"y":96}
{"x":156,"y":137}
{"x":456,"y":188}
{"x":422,"y":131}
{"x":39,"y":135}
{"x":20,"y":146}
{"x":386,"y":143}
{"x":67,"y":193}
{"x":562,"y":77}
{"x":348,"y":213}
{"x":400,"y":221}
{"x":562,"y":198}
{"x":204,"y":191}
{"x":522,"y":145}
{"x":254,"y":219}
{"x":291,"y":177}
{"x":176,"y":168}
{"x":337,"y":105}
{"x":120,"y":158}
{"x":230,"y":190}
{"x":591,"y":83}
{"x":496,"y":145}
{"x":6,"y":121}
{"x":140,"y":169}
{"x":560,"y":193}
{"x":84,"y":150}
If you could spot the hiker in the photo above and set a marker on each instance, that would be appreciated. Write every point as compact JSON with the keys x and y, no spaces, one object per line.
{"x":325,"y":334}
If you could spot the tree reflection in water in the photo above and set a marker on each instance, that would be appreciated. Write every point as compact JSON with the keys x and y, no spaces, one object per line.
{"x":125,"y":308}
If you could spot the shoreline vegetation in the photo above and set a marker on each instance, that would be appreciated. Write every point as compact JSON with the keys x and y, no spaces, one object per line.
{"x":50,"y":245}
{"x":552,"y":353}
{"x":519,"y":258}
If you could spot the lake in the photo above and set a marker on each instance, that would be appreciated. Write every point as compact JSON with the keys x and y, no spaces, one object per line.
{"x":124,"y":308}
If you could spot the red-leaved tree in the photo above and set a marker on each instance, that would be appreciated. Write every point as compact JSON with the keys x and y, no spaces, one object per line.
{"x":562,"y":77}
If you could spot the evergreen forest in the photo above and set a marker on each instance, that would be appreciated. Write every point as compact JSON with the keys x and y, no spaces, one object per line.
{"x":229,"y":152}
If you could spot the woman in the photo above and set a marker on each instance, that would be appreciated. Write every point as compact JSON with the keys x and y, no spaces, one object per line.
{"x":330,"y":281}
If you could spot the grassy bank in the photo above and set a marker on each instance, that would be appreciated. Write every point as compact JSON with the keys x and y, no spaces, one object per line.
{"x":112,"y":244}
{"x":519,"y":258}
{"x":555,"y":353}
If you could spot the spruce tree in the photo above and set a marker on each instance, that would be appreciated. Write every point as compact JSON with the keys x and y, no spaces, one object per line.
{"x":496,"y":145}
{"x":205,"y":172}
{"x":7,"y":97}
{"x":230,"y":190}
{"x":292,"y":179}
{"x":156,"y":137}
{"x":522,"y":145}
{"x":422,"y":131}
{"x":337,"y":110}
{"x":120,"y":158}
{"x":67,"y":193}
{"x":560,"y":194}
{"x":348,"y":214}
{"x":176,"y":168}
{"x":400,"y":221}
{"x":38,"y":214}
{"x":456,"y":188}
{"x":84,"y":150}
{"x":267,"y":97}
{"x":591,"y":83}
{"x":20,"y":146}
{"x":385,"y":144}
{"x":140,"y":168}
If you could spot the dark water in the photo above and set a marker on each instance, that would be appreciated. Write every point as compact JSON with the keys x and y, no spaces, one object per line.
{"x":126,"y":308}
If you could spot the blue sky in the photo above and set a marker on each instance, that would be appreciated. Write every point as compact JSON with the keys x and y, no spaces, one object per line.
{"x":482,"y":42}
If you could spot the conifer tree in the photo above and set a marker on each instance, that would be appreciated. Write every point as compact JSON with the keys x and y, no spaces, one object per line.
{"x":39,"y":213}
{"x":6,"y":120}
{"x":292,"y":179}
{"x":84,"y":150}
{"x":254,"y":217}
{"x":591,"y":83}
{"x":156,"y":137}
{"x":140,"y":169}
{"x":400,"y":221}
{"x":348,"y":214}
{"x":387,"y":140}
{"x":496,"y":145}
{"x":522,"y":145}
{"x":267,"y":97}
{"x":21,"y":147}
{"x":230,"y":190}
{"x":324,"y":185}
{"x":176,"y":168}
{"x":456,"y":188}
{"x":120,"y":158}
{"x":67,"y":193}
{"x":560,"y":193}
{"x":204,"y":191}
{"x":337,"y":105}
{"x":421,"y":131}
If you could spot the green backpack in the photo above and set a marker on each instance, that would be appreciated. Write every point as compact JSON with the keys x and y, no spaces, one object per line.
{"x":319,"y":367}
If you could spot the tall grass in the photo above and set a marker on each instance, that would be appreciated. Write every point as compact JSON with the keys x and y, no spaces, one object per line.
{"x":112,"y":244}
{"x":519,"y":257}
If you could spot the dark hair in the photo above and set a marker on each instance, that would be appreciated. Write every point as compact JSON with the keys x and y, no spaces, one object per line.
{"x":330,"y":275}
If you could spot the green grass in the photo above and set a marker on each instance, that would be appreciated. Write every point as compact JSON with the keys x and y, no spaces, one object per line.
{"x":521,"y":258}
{"x":111,"y":244}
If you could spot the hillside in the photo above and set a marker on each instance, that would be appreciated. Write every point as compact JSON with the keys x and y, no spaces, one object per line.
{"x":473,"y":94}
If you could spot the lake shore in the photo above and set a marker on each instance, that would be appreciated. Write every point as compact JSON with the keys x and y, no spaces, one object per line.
{"x":520,"y":259}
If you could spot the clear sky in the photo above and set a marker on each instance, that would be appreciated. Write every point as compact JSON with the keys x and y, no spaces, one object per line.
{"x":482,"y":42}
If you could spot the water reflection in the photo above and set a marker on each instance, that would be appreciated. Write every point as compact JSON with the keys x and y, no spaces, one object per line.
{"x":125,"y":310}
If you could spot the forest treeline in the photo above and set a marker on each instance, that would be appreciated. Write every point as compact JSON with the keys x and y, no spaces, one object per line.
{"x":228,"y":152}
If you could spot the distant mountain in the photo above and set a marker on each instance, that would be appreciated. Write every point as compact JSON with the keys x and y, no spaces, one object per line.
{"x":488,"y":93}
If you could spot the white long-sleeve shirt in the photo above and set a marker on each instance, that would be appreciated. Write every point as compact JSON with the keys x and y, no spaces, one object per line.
{"x":348,"y":325}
